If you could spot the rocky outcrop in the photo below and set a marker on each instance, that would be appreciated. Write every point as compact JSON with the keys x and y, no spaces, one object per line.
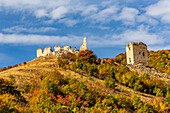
{"x":154,"y":73}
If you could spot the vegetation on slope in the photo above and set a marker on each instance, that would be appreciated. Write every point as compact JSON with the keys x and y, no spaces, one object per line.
{"x":55,"y":92}
{"x":10,"y":98}
{"x":9,"y":67}
{"x":158,"y":59}
{"x":111,"y":72}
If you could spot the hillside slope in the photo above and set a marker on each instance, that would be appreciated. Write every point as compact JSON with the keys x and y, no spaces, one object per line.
{"x":48,"y":65}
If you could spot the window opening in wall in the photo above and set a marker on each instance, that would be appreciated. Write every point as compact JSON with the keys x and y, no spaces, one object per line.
{"x":129,"y":48}
{"x":130,"y":60}
{"x":143,"y":53}
{"x":139,"y":52}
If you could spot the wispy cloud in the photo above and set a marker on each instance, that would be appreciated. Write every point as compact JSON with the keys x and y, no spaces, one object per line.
{"x":141,"y":34}
{"x":105,"y":15}
{"x":19,"y":29}
{"x":128,"y":15}
{"x":127,"y":36}
{"x":59,"y":12}
{"x":160,"y":10}
{"x":102,"y":12}
{"x":91,"y":9}
{"x":39,"y":39}
{"x":147,"y":20}
{"x":69,"y":22}
{"x":41,"y":13}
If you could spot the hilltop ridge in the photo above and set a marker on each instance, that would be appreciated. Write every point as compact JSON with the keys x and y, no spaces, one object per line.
{"x":93,"y":74}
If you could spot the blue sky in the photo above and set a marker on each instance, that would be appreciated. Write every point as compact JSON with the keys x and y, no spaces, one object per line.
{"x":109,"y":26}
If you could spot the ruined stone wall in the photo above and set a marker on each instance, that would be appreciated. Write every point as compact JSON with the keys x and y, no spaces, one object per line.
{"x":66,"y":47}
{"x":47,"y":51}
{"x":39,"y":52}
{"x":140,"y":54}
{"x":129,"y":54}
{"x":84,"y":46}
{"x":136,"y":54}
{"x":59,"y":51}
{"x":57,"y":48}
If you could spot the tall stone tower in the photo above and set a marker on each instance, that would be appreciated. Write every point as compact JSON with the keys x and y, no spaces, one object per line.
{"x":84,"y":46}
{"x":39,"y":52}
{"x":136,"y":53}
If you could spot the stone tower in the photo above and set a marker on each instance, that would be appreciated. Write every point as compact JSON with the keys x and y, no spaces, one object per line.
{"x":57,"y":48}
{"x":48,"y":51}
{"x":39,"y":52}
{"x":66,"y":47}
{"x":136,"y":53}
{"x":84,"y":46}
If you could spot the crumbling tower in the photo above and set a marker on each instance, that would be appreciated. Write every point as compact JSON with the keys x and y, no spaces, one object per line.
{"x":48,"y":51}
{"x":136,"y":53}
{"x":84,"y":46}
{"x":57,"y":48}
{"x":66,"y":47}
{"x":39,"y":52}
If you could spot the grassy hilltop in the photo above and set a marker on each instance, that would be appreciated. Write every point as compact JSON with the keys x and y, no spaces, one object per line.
{"x":83,"y":83}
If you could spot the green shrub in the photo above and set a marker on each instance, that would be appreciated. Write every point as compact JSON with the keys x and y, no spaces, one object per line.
{"x":110,"y":82}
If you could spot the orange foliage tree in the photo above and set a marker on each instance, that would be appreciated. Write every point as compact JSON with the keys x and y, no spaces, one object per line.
{"x":87,"y":56}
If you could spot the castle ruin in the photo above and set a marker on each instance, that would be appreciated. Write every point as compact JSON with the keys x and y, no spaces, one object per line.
{"x":84,"y":46}
{"x":136,"y":54}
{"x":59,"y":51}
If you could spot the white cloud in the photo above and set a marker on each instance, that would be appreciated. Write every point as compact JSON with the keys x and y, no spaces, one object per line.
{"x":19,"y":29}
{"x":95,"y":12}
{"x":160,"y":10}
{"x":19,"y":3}
{"x":128,"y":36}
{"x":91,"y":9}
{"x":52,"y":9}
{"x":105,"y":15}
{"x":155,"y":48}
{"x":41,"y":13}
{"x":40,"y":39}
{"x":140,"y":34}
{"x":147,"y":19}
{"x":128,"y":15}
{"x":59,"y":12}
{"x":68,"y":22}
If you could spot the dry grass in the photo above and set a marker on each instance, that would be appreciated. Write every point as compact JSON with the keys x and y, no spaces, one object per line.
{"x":49,"y":64}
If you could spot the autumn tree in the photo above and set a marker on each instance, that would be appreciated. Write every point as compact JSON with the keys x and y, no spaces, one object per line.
{"x":87,"y":56}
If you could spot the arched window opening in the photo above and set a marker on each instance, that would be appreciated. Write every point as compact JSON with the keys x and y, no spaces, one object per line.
{"x":143,"y":53}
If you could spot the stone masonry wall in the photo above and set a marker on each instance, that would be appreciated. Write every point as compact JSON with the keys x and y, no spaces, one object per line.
{"x":136,"y":53}
{"x":84,"y":46}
